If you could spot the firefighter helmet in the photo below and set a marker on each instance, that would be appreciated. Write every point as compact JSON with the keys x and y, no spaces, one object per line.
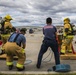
{"x":67,"y":19}
{"x":8,"y":17}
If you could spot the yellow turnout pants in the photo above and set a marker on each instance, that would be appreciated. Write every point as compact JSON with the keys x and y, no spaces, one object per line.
{"x":66,"y":45}
{"x":11,"y":49}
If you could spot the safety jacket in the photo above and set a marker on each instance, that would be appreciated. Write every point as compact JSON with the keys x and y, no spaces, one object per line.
{"x":6,"y":27}
{"x":7,"y":24}
{"x":69,"y":33}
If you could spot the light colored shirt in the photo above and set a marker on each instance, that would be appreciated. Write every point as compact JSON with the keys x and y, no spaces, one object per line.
{"x":20,"y":39}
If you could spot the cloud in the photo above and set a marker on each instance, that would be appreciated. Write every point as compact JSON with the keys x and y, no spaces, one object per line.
{"x":35,"y":12}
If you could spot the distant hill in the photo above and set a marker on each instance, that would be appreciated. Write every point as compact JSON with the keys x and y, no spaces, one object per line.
{"x":28,"y":27}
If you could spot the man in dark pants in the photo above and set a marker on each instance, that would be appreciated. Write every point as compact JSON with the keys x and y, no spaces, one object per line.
{"x":50,"y":34}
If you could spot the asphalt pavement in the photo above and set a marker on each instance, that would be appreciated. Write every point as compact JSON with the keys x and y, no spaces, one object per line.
{"x":32,"y":49}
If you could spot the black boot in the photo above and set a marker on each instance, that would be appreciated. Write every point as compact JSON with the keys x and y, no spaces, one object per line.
{"x":10,"y":67}
{"x":62,"y":53}
{"x":20,"y":69}
{"x":38,"y":66}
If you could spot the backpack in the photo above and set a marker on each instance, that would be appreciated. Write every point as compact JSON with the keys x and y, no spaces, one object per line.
{"x":72,"y":32}
{"x":2,"y":26}
{"x":3,"y":30}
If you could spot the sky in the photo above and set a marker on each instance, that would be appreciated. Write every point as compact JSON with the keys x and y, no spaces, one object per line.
{"x":35,"y":12}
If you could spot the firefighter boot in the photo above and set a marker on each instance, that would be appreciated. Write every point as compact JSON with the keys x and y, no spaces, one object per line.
{"x":20,"y":69}
{"x":63,"y":50}
{"x":10,"y":67}
{"x":69,"y":51}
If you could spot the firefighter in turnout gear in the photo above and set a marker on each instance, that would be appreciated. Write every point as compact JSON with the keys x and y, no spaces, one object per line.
{"x":67,"y":37}
{"x":5,"y":30}
{"x":15,"y":46}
